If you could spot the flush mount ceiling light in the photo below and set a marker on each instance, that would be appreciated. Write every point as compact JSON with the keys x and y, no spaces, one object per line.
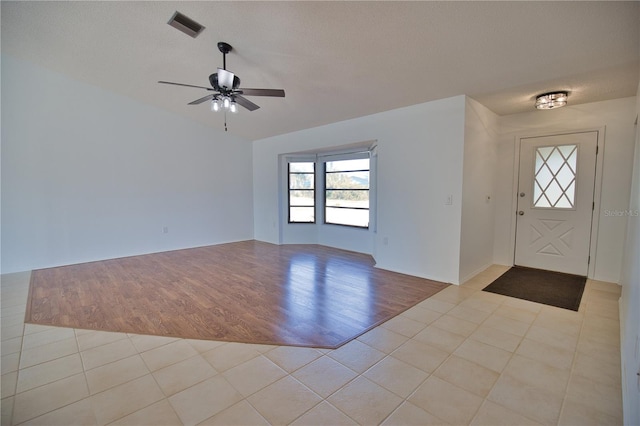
{"x":551,"y":100}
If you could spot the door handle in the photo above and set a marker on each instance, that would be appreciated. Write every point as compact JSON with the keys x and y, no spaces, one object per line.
{"x":521,"y":213}
{"x":522,"y":194}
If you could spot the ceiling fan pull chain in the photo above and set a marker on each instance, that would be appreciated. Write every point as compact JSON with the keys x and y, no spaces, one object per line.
{"x":225,"y":121}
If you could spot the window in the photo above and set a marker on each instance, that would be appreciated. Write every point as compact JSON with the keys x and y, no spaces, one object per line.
{"x":347,"y":192}
{"x":302,"y":193}
{"x":555,"y":177}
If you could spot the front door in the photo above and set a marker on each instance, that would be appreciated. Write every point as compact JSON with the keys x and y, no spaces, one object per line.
{"x":555,"y":202}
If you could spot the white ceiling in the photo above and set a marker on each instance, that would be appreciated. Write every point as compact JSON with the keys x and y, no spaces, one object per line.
{"x":336,"y":60}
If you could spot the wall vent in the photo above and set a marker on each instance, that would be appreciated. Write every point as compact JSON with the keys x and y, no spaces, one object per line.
{"x":185,"y":24}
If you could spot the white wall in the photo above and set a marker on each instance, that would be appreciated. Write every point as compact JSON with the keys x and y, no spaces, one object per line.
{"x":630,"y":298}
{"x":88,"y":174}
{"x":420,"y":152}
{"x":480,"y":141}
{"x":618,"y":116}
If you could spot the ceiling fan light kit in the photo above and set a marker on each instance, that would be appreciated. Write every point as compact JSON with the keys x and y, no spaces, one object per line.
{"x":551,"y":100}
{"x":224,"y":103}
{"x":226,"y":85}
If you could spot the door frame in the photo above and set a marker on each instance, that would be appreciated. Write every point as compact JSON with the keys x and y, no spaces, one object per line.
{"x":595,"y":217}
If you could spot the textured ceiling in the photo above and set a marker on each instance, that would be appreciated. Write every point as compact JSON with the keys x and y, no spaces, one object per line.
{"x":336,"y":60}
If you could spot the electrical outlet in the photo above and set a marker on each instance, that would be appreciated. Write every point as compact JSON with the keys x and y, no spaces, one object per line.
{"x":165,"y":230}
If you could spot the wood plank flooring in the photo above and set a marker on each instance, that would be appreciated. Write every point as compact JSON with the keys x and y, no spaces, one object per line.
{"x":250,"y":291}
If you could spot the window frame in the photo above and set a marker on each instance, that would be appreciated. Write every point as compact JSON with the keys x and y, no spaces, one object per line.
{"x":289,"y":190}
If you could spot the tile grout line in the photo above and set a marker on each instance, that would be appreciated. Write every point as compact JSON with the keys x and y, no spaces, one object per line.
{"x":129,"y":381}
{"x":502,"y":372}
{"x":583,"y":303}
{"x":15,"y":386}
{"x":507,"y":364}
{"x":486,"y":397}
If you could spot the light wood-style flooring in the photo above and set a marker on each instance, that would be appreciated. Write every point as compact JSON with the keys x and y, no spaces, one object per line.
{"x":250,"y":291}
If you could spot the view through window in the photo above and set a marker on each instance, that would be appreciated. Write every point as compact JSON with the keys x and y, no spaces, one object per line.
{"x":347,"y":192}
{"x":302,"y":192}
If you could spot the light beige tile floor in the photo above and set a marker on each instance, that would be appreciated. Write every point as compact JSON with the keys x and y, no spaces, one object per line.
{"x":462,"y":357}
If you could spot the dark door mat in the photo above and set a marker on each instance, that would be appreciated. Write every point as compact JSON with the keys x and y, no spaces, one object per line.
{"x":547,"y":287}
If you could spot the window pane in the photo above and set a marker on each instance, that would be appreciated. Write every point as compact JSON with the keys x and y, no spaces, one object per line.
{"x":346,"y":198}
{"x":305,"y":167}
{"x":302,"y":214}
{"x":301,"y":198}
{"x":554,"y":176}
{"x":347,"y":192}
{"x":347,"y":165}
{"x":302,"y":192}
{"x":543,"y":178}
{"x":555,"y":161}
{"x":553,"y":192}
{"x":349,"y":217}
{"x":301,"y":181}
{"x":563,"y":203}
{"x":571,"y":192}
{"x":571,"y":160}
{"x":542,"y":202}
{"x":544,"y":151}
{"x":539,"y":162}
{"x":348,"y":180}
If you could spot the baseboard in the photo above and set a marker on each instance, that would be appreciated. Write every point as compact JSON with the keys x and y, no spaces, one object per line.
{"x":413,"y":274}
{"x":474,"y":273}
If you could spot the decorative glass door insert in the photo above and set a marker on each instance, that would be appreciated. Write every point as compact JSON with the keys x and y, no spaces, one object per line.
{"x":555,"y":177}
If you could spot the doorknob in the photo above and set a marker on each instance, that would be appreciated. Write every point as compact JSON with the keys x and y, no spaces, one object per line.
{"x":522,"y":194}
{"x":521,"y":213}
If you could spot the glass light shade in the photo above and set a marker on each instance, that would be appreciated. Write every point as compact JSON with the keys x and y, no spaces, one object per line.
{"x":233,"y":107}
{"x":215,"y":105}
{"x":226,"y":102}
{"x":551,"y":100}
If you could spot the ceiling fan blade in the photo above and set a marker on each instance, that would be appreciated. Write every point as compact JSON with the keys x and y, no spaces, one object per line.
{"x":278,"y":93}
{"x":201,"y":100}
{"x":246,"y":103}
{"x":186,"y":85}
{"x":225,"y":78}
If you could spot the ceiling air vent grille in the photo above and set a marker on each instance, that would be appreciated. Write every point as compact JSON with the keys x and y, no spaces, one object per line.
{"x":185,"y":24}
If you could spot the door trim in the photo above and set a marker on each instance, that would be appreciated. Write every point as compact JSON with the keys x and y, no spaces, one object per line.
{"x":595,"y":217}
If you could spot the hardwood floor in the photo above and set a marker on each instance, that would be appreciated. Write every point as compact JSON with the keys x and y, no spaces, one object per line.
{"x":250,"y":291}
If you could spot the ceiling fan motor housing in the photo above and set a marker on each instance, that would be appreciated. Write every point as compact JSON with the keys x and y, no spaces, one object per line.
{"x":213,"y":79}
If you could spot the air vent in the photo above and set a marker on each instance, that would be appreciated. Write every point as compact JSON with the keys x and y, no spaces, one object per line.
{"x":185,"y":24}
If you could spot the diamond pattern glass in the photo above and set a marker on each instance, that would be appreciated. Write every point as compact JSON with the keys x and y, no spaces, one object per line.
{"x":555,"y":176}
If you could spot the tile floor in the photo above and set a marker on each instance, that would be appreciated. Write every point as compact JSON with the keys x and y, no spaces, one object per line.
{"x":461,"y":357}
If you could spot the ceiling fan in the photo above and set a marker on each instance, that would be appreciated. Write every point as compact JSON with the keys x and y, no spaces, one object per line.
{"x":226,"y":86}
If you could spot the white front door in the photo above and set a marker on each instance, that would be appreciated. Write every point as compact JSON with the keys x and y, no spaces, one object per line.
{"x":555,"y":202}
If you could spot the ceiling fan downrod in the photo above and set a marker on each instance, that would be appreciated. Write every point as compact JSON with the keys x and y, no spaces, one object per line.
{"x":224,"y":48}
